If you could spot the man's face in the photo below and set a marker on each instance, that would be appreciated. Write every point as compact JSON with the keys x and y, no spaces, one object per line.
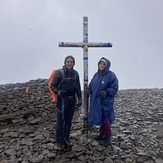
{"x":69,"y":63}
{"x":101,"y":66}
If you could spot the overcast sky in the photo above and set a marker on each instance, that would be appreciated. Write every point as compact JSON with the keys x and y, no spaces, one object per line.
{"x":31,"y":29}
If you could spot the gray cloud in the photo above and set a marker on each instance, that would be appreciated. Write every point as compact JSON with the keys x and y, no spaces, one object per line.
{"x":30,"y":32}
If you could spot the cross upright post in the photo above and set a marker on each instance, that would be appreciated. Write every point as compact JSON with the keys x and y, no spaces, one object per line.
{"x":85,"y":45}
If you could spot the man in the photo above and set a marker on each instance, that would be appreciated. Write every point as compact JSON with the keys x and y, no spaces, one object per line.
{"x":66,"y":84}
{"x":103,"y":88}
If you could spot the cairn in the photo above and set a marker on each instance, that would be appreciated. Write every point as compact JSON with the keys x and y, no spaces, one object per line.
{"x":28,"y":118}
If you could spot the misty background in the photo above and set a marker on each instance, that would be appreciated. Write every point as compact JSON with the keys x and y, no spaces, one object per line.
{"x":30,"y":31}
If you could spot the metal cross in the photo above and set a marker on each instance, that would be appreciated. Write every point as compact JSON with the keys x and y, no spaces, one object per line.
{"x":85,"y":45}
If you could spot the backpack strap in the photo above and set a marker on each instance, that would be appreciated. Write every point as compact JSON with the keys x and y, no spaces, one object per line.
{"x":62,"y":73}
{"x":63,"y":76}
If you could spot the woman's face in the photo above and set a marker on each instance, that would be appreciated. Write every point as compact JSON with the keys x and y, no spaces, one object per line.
{"x":69,"y":63}
{"x":101,"y":66}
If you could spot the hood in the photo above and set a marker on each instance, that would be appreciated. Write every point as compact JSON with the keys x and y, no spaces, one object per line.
{"x":108,"y":64}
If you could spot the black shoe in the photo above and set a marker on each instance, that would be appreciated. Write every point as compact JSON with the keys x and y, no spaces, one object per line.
{"x":107,"y":141}
{"x":58,"y":146}
{"x":68,"y":142}
{"x":100,"y":137}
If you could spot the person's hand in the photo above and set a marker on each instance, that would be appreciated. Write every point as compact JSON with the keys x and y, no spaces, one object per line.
{"x":79,"y":102}
{"x":62,"y":93}
{"x":102,"y":94}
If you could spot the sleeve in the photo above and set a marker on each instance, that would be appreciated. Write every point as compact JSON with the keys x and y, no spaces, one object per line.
{"x":90,"y":87}
{"x":112,"y":86}
{"x":91,"y":83}
{"x":56,"y":81}
{"x":79,"y":95}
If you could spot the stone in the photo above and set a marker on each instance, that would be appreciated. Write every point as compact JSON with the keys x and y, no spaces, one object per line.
{"x":27,"y":127}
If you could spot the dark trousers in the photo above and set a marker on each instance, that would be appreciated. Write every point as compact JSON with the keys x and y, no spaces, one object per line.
{"x":106,"y":128}
{"x":63,"y":126}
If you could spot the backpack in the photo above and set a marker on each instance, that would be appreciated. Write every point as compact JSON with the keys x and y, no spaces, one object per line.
{"x":53,"y":95}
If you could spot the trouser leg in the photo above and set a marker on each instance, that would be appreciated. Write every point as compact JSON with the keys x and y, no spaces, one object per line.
{"x":59,"y":124}
{"x":69,"y":112}
{"x":59,"y":128}
{"x":106,"y":128}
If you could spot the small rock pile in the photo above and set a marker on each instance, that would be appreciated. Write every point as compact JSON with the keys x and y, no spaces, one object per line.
{"x":27,"y":128}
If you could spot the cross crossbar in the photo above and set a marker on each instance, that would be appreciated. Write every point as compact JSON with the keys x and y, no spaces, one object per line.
{"x":81,"y":44}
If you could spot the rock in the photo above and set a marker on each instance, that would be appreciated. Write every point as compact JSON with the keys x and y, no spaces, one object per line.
{"x":37,"y":159}
{"x":27,"y":128}
{"x":51,"y":155}
{"x":34,"y":121}
{"x":11,"y":134}
{"x":108,"y":160}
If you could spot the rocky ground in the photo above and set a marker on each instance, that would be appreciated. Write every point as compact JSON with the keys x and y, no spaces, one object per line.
{"x":27,"y":128}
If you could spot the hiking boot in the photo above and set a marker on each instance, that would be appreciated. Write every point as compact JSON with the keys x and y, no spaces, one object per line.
{"x":58,"y":146}
{"x":100,"y":137}
{"x":68,"y":142}
{"x":107,"y":140}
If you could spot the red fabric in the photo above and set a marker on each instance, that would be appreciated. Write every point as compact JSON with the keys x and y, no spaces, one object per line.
{"x":106,"y":128}
{"x":54,"y":97}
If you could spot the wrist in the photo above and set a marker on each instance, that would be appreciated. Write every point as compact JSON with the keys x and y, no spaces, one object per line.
{"x":107,"y":92}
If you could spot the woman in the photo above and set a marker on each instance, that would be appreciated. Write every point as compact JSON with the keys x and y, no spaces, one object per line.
{"x":103,"y":88}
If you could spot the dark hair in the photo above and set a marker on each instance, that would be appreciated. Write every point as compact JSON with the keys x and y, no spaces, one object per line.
{"x":69,"y":56}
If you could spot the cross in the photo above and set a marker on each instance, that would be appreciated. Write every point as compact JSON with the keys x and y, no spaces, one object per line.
{"x":85,"y":45}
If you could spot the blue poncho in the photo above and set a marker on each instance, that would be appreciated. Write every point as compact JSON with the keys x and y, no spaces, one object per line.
{"x":102,"y":108}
